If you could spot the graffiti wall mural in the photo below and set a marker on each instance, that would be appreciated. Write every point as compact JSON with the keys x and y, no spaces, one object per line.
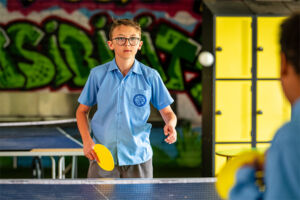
{"x":54,"y":45}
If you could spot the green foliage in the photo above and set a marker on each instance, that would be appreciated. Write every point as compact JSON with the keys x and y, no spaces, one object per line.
{"x":189,"y":147}
{"x":161,"y":158}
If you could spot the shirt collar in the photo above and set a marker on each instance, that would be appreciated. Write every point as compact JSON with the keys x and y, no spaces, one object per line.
{"x":135,"y":68}
{"x":112,"y":66}
{"x":296,"y":110}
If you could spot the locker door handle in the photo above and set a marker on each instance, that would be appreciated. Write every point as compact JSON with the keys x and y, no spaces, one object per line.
{"x":260,"y":49}
{"x":218,"y":112}
{"x":219,"y":49}
{"x":259,"y":112}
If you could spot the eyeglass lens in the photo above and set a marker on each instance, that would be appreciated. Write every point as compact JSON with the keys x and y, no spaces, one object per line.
{"x":132,"y":40}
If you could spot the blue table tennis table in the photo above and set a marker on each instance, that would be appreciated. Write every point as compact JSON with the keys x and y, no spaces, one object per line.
{"x":41,"y":141}
{"x":121,"y":189}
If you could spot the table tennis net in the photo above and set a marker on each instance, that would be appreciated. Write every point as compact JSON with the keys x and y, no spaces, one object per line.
{"x":167,"y":188}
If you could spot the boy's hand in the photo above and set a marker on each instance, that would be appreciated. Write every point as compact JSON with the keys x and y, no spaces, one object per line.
{"x":170,"y":131}
{"x":88,"y":150}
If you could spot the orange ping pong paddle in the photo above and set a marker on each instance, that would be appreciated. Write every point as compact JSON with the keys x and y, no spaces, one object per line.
{"x":105,"y":158}
{"x":226,"y":177}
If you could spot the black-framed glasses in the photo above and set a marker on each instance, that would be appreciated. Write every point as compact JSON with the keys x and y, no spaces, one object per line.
{"x":123,"y":40}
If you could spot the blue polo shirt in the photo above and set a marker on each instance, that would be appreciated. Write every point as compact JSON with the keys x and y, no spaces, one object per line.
{"x":123,"y":108}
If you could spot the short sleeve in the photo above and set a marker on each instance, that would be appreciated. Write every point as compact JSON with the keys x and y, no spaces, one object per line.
{"x":88,"y":95}
{"x":282,"y":169}
{"x":161,"y":97}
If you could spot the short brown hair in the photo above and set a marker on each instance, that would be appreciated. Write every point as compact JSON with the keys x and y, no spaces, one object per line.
{"x":125,"y":22}
{"x":290,"y":40}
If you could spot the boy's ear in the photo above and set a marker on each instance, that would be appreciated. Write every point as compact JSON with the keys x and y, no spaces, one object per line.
{"x":140,"y":45}
{"x":284,"y":65}
{"x":110,"y":45}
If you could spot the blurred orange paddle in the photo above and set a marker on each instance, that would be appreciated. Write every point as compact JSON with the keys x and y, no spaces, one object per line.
{"x":226,"y":177}
{"x":106,"y":160}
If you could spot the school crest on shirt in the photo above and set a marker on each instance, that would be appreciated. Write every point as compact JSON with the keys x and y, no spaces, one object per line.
{"x":139,"y":100}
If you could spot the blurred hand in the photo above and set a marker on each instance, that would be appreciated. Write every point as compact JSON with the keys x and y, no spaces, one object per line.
{"x":171,"y":134}
{"x":88,"y":150}
{"x":257,"y":163}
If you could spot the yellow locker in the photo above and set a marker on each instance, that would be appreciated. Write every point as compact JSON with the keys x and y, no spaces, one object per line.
{"x":264,"y":146}
{"x":232,"y":94}
{"x":273,"y":109}
{"x":233,"y":111}
{"x":268,"y":48}
{"x":233,"y":47}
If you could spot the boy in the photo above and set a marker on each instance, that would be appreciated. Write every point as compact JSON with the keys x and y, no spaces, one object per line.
{"x":282,"y":167}
{"x":123,"y":89}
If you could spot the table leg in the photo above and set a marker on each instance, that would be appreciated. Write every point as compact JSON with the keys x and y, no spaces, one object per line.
{"x":61,"y":163}
{"x":53,"y":167}
{"x":64,"y":168}
{"x":74,"y":167}
{"x":15,"y":162}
